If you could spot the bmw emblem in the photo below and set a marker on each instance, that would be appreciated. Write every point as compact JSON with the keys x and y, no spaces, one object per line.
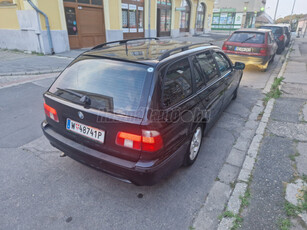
{"x":81,"y":115}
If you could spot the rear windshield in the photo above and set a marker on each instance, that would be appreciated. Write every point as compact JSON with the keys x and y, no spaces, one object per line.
{"x":112,"y":86}
{"x":247,"y":37}
{"x":275,"y":29}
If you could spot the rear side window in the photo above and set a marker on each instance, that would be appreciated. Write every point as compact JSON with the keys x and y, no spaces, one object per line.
{"x":247,"y":37}
{"x":223,"y":63}
{"x":207,"y":65}
{"x":198,"y":74}
{"x":271,"y":36}
{"x":112,"y":86}
{"x":275,"y":29}
{"x":269,"y":39}
{"x":177,"y":83}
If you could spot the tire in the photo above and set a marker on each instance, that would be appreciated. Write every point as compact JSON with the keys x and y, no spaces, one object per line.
{"x":280,"y":49}
{"x":194,"y":146}
{"x":235,"y":93}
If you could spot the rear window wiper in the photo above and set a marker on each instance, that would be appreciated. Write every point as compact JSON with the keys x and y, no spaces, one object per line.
{"x":248,"y":38}
{"x":83,"y":98}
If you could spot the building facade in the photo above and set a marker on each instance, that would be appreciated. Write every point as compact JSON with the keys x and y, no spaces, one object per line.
{"x":85,"y":23}
{"x":236,"y":14}
{"x":301,"y":27}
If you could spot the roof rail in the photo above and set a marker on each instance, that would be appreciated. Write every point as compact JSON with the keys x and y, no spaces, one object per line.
{"x":123,"y":42}
{"x":181,"y":48}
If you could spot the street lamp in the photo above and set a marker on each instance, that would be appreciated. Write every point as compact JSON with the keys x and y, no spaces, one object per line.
{"x":276,"y":10}
{"x":292,"y":12}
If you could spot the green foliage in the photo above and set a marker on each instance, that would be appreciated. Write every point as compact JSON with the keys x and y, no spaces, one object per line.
{"x":287,"y":18}
{"x":245,"y":199}
{"x":284,"y":224}
{"x":291,"y":209}
{"x":228,"y":214}
{"x":274,"y":92}
{"x":237,"y":223}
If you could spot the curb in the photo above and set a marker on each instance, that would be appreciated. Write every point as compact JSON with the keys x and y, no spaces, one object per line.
{"x":37,"y":72}
{"x":238,"y":167}
{"x":234,"y":202}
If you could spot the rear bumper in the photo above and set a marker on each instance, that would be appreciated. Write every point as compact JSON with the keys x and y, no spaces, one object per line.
{"x":249,"y":60}
{"x":139,"y":173}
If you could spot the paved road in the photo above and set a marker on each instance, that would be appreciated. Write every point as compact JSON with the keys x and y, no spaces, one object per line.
{"x":40,"y":189}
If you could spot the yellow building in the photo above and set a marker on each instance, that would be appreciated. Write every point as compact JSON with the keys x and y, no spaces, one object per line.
{"x":84,"y":23}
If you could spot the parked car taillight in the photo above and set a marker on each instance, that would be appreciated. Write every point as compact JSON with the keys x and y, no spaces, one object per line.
{"x":225,"y":47}
{"x":149,"y":141}
{"x":51,"y":112}
{"x":282,"y":37}
{"x":263,"y":51}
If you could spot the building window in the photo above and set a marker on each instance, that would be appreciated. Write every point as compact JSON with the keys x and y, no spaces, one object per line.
{"x":93,"y":2}
{"x":164,"y":14}
{"x":133,"y":17}
{"x":6,"y":2}
{"x":185,"y":16}
{"x":200,"y":19}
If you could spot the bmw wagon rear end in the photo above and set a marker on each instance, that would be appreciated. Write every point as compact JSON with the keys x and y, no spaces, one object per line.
{"x":95,"y":114}
{"x":139,"y":111}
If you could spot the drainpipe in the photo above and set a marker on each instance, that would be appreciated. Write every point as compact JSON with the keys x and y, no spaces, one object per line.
{"x":47,"y":24}
{"x":149,"y":8}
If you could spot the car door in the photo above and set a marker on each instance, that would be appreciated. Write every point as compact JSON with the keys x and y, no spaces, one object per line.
{"x":178,"y":104}
{"x":269,"y":44}
{"x":273,"y":43}
{"x":228,"y":76}
{"x":211,"y":91}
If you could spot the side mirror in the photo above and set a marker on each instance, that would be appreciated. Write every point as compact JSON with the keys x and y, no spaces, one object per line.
{"x":239,"y":66}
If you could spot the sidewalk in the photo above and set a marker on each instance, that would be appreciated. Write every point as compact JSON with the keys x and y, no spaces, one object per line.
{"x":19,"y":63}
{"x":275,"y":192}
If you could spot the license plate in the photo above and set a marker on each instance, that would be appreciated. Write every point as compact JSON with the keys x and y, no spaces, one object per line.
{"x":243,"y":49}
{"x":84,"y":130}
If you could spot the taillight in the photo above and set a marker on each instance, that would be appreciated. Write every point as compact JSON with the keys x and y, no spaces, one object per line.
{"x":225,"y":47}
{"x":263,"y":51}
{"x":149,"y":141}
{"x":51,"y":112}
{"x":129,"y":140}
{"x":282,"y":37}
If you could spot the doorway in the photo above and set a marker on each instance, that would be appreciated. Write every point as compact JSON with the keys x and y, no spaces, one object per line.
{"x":85,"y":23}
{"x":164,"y":14}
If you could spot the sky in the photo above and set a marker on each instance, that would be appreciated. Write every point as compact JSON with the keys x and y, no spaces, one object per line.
{"x":285,"y":7}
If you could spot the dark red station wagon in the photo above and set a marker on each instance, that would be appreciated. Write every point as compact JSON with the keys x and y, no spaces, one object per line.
{"x":138,"y":109}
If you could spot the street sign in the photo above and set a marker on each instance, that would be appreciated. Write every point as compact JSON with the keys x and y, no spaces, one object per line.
{"x":180,"y":9}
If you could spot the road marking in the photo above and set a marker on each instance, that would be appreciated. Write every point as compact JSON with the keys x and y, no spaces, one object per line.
{"x":27,"y":80}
